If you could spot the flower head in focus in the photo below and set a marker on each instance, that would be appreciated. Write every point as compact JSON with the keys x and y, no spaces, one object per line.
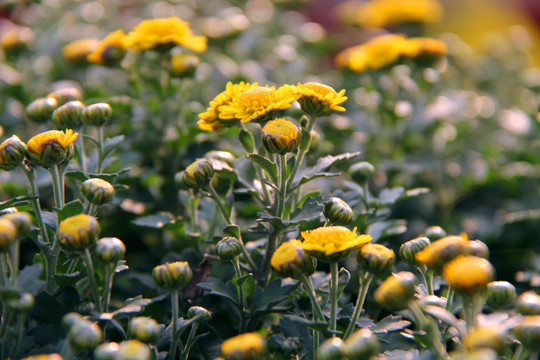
{"x":319,"y":99}
{"x":330,"y":243}
{"x":280,"y":136}
{"x":290,"y":260}
{"x":51,"y":147}
{"x":110,"y":50}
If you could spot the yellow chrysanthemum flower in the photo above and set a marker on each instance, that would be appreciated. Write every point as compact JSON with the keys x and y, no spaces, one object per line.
{"x":484,"y":337}
{"x":78,"y":50}
{"x":211,"y":119}
{"x":439,"y":252}
{"x":110,"y":50}
{"x":8,"y":234}
{"x":280,"y":136}
{"x":16,"y":37}
{"x":244,"y":346}
{"x":291,"y":260}
{"x":468,"y":275}
{"x":172,"y":31}
{"x":258,"y":103}
{"x":44,"y":357}
{"x":425,"y":48}
{"x":318,"y":99}
{"x":332,"y":243}
{"x":51,"y":147}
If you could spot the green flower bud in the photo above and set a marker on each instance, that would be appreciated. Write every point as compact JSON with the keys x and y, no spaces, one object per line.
{"x":40,"y":110}
{"x":362,"y":344}
{"x":477,"y":248}
{"x":12,"y":153}
{"x":376,"y":258}
{"x":133,"y":350}
{"x":109,"y":250}
{"x":228,"y":247}
{"x":68,"y":116}
{"x":396,"y":291}
{"x":78,"y":232}
{"x":97,"y":191}
{"x":338,"y":211}
{"x":8,"y":234}
{"x":198,"y":174}
{"x":500,"y":295}
{"x":22,"y":221}
{"x":280,"y":136}
{"x":292,"y":346}
{"x":184,"y":65}
{"x":144,"y":329}
{"x":21,"y":304}
{"x":106,"y":351}
{"x":199,"y":312}
{"x":528,"y":332}
{"x":361,"y":172}
{"x":96,"y":114}
{"x":330,"y":349}
{"x":290,"y":260}
{"x":71,"y":319}
{"x":84,"y":335}
{"x":528,"y":303}
{"x":409,"y":249}
{"x":65,"y":95}
{"x":434,"y":233}
{"x":85,"y":308}
{"x":172,"y":276}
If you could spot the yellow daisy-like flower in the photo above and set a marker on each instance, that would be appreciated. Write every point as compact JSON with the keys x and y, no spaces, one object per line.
{"x":244,"y":346}
{"x":469,"y":275}
{"x":78,"y":50}
{"x":291,"y":260}
{"x":211,"y":119}
{"x":258,"y":103}
{"x":280,"y":136}
{"x":439,"y":252}
{"x":172,"y":31}
{"x":331,"y":243}
{"x":318,"y":99}
{"x":51,"y":147}
{"x":425,"y":48}
{"x":110,"y":50}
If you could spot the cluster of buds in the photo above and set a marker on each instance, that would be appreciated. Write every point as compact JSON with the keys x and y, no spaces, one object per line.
{"x":125,"y":350}
{"x":362,"y":344}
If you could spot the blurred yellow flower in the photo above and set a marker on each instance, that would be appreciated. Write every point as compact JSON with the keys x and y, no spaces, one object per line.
{"x":44,"y":357}
{"x":439,"y":252}
{"x":172,"y":31}
{"x":244,"y":346}
{"x":468,"y":275}
{"x":291,"y":260}
{"x":484,"y":337}
{"x":425,"y":48}
{"x":78,"y":50}
{"x":51,"y":147}
{"x":258,"y":103}
{"x":15,"y":37}
{"x":211,"y":119}
{"x":332,"y":243}
{"x":280,"y":136}
{"x":110,"y":50}
{"x":319,"y":99}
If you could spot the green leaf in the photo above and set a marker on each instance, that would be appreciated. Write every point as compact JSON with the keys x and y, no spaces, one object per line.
{"x":383,"y":229}
{"x":29,"y":281}
{"x":219,"y":288}
{"x":65,"y":280}
{"x":49,"y":218}
{"x":344,"y":276}
{"x":111,"y":143}
{"x":446,"y":316}
{"x":389,"y":324}
{"x":319,"y":326}
{"x":133,"y":306}
{"x":72,"y":208}
{"x":268,"y":166}
{"x":294,"y":329}
{"x":156,"y":221}
{"x":275,"y":292}
{"x":390,"y":196}
{"x":19,"y":200}
{"x":110,"y":177}
{"x":246,"y":139}
{"x":232,"y":230}
{"x":311,"y":210}
{"x":321,"y":168}
{"x":76,"y":175}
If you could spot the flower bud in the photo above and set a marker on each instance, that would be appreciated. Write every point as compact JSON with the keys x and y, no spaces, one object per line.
{"x":21,"y":304}
{"x":477,"y":248}
{"x":434,"y":233}
{"x":84,"y":335}
{"x":106,"y":351}
{"x":528,"y":303}
{"x":396,"y":291}
{"x":172,"y":276}
{"x":280,"y":136}
{"x":476,"y":354}
{"x":500,"y":295}
{"x":65,"y":95}
{"x":362,"y":344}
{"x":133,"y":350}
{"x":144,"y":329}
{"x":292,"y":346}
{"x":202,"y":314}
{"x":8,"y":234}
{"x":96,"y":114}
{"x":248,"y":346}
{"x":441,"y":251}
{"x":68,"y":116}
{"x":78,"y":232}
{"x":228,"y":247}
{"x":409,"y":249}
{"x":376,"y":258}
{"x":484,"y":337}
{"x":184,"y":65}
{"x":198,"y":174}
{"x":97,"y":191}
{"x":290,"y":260}
{"x":54,"y":356}
{"x":22,"y":221}
{"x":338,"y":211}
{"x":109,"y":250}
{"x":85,"y":308}
{"x":528,"y":332}
{"x":71,"y":319}
{"x":330,"y":349}
{"x":361,"y":172}
{"x":12,"y":153}
{"x":51,"y":147}
{"x":40,"y":110}
{"x":468,"y":275}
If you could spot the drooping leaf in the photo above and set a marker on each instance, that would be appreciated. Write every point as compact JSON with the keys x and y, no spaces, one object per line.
{"x":383,"y":229}
{"x":390,"y":323}
{"x":275,"y":292}
{"x":19,"y":200}
{"x":76,"y":175}
{"x":156,"y":221}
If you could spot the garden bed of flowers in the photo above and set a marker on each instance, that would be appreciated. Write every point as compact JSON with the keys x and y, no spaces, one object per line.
{"x":247,"y":180}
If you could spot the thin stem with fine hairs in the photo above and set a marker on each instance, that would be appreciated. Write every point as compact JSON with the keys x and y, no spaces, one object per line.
{"x":90,"y":273}
{"x":333,"y":296}
{"x":365,"y":281}
{"x":174,"y":318}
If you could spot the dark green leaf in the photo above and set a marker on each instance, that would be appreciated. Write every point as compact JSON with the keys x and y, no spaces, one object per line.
{"x":390,"y":323}
{"x":383,"y":229}
{"x":344,"y":276}
{"x":47,"y":309}
{"x":319,"y":326}
{"x":76,"y":175}
{"x":219,"y":288}
{"x":268,"y":166}
{"x":49,"y":218}
{"x":65,"y":280}
{"x":274,"y":293}
{"x":133,"y":306}
{"x":29,"y":281}
{"x":321,"y":168}
{"x":311,"y":210}
{"x":156,"y":221}
{"x":19,"y":200}
{"x":111,"y":143}
{"x":390,"y":196}
{"x":246,"y":139}
{"x":112,"y":176}
{"x":232,"y":230}
{"x":72,"y":208}
{"x":446,"y":316}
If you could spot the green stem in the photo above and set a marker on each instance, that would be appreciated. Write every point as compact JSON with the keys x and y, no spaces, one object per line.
{"x":365,"y":281}
{"x":174,"y":318}
{"x":333,"y":296}
{"x":81,"y":151}
{"x":449,"y":298}
{"x":100,"y":150}
{"x":190,"y":342}
{"x":310,"y":290}
{"x":4,"y":268}
{"x":109,"y":276}
{"x":431,"y":329}
{"x":533,"y":355}
{"x":92,"y":279}
{"x":301,"y":154}
{"x":57,"y":187}
{"x":282,"y":193}
{"x":270,"y":248}
{"x":518,"y":352}
{"x":241,"y":294}
{"x":20,"y":328}
{"x":15,"y":254}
